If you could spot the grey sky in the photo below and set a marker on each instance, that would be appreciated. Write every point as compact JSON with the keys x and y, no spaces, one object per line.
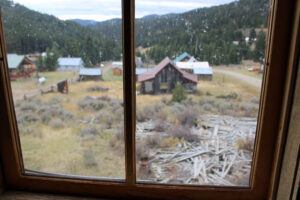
{"x":107,"y":9}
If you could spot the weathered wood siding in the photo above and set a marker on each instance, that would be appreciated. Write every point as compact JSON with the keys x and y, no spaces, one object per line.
{"x":165,"y":81}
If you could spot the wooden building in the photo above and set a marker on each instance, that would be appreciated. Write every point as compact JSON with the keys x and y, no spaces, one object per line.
{"x":70,"y":64}
{"x":185,"y":57}
{"x":117,"y":68}
{"x":201,"y":69}
{"x":89,"y":74}
{"x":163,"y":78}
{"x":20,"y":66}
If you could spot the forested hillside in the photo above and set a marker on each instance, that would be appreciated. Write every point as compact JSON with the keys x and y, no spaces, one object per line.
{"x":206,"y":33}
{"x":27,"y":31}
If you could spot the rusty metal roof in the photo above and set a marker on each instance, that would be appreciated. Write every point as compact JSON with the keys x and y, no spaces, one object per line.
{"x":152,"y":73}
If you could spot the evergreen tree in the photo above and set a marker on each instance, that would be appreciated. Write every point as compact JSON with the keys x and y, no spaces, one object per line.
{"x":179,"y":93}
{"x":260,"y":45}
{"x":91,"y":52}
{"x":252,"y":36}
{"x":51,"y":60}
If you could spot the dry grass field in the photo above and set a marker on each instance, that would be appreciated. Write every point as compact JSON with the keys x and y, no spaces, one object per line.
{"x":86,"y":139}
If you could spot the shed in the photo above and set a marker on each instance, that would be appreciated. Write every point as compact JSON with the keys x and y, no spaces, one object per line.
{"x":20,"y":66}
{"x":117,"y":68}
{"x":204,"y":73}
{"x":69,"y":64}
{"x":87,"y":74}
{"x":163,"y":78}
{"x":183,"y":58}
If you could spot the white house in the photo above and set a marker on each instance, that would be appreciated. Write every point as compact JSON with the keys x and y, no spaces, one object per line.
{"x":69,"y":64}
{"x":201,"y":69}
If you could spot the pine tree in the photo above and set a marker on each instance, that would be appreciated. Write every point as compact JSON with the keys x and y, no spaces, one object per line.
{"x":260,"y":45}
{"x":179,"y":93}
{"x":252,"y":36}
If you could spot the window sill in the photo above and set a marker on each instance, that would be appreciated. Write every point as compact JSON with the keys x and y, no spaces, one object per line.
{"x":18,"y":195}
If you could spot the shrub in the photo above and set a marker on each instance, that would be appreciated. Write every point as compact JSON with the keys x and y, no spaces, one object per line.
{"x":232,"y":95}
{"x":170,"y":142}
{"x":189,"y":102}
{"x":164,"y":100}
{"x":207,"y":107}
{"x":90,"y":130}
{"x":188,"y":117}
{"x":254,"y":100}
{"x":91,"y":104}
{"x":57,"y":124}
{"x":27,"y":118}
{"x":67,"y":115}
{"x":28,"y":106}
{"x":158,"y":107}
{"x":89,"y":159}
{"x":177,"y":109}
{"x":97,"y":89}
{"x":144,"y":114}
{"x":153,"y":140}
{"x":203,"y":101}
{"x":56,"y":99}
{"x":179,"y":93}
{"x":141,"y":150}
{"x":45,"y":118}
{"x":246,"y":144}
{"x":182,"y":133}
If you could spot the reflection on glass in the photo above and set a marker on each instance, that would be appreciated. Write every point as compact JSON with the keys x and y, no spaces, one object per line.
{"x":68,"y":98}
{"x":199,"y":67}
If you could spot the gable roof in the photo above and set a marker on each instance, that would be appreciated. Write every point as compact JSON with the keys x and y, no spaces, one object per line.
{"x":70,"y":62}
{"x":203,"y":71}
{"x":14,"y":60}
{"x":90,"y":71}
{"x":182,"y":56}
{"x":153,"y":72}
{"x":192,"y":65}
{"x":192,"y":59}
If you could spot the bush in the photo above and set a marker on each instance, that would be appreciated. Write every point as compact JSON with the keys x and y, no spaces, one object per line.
{"x":91,"y":104}
{"x":45,"y":118}
{"x":90,"y":130}
{"x":188,"y":117}
{"x":28,"y":106}
{"x":153,"y":140}
{"x":97,"y":89}
{"x":27,"y":118}
{"x":207,"y":101}
{"x":177,"y":109}
{"x":144,"y":114}
{"x":89,"y":159}
{"x":67,"y":115}
{"x":57,"y":124}
{"x":170,"y":142}
{"x":254,"y":100}
{"x":158,"y":107}
{"x":179,"y":93}
{"x":56,"y":99}
{"x":182,"y":133}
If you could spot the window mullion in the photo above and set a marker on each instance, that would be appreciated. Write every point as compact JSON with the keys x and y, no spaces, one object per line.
{"x":129,"y":89}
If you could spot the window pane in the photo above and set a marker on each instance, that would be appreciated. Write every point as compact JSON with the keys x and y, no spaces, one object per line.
{"x":67,"y":84}
{"x":199,"y":69}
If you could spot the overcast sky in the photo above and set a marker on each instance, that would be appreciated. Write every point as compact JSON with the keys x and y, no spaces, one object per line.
{"x":101,"y":10}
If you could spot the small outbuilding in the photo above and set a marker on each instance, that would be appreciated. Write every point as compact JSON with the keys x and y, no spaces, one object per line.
{"x":70,"y":64}
{"x":117,"y":68}
{"x":201,"y":69}
{"x":20,"y":66}
{"x":185,"y":57}
{"x":89,"y":74}
{"x":163,"y":78}
{"x":205,"y":74}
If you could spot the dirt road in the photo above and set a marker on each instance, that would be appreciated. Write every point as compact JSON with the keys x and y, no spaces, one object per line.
{"x":243,"y":77}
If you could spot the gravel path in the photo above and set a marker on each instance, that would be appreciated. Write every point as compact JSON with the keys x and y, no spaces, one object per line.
{"x":248,"y":79}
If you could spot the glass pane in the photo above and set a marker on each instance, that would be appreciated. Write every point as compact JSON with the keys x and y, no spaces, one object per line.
{"x":67,"y":84}
{"x":199,"y":69}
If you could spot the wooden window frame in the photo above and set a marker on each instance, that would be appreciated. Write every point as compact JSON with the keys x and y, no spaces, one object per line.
{"x":278,"y":83}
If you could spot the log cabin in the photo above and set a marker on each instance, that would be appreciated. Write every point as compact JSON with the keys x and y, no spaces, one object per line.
{"x":163,"y":78}
{"x":20,"y":66}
